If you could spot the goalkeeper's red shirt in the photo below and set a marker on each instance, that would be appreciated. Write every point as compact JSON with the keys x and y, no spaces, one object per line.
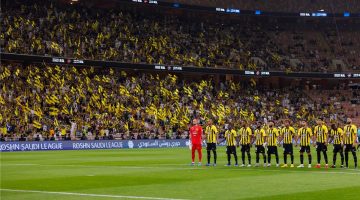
{"x":196,"y":134}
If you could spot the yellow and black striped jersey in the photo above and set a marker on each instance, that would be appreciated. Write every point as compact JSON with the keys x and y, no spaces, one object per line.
{"x":260,"y":135}
{"x":245,"y":135}
{"x":320,"y":133}
{"x":211,"y":133}
{"x":305,"y":136}
{"x":230,"y":136}
{"x":288,"y":134}
{"x":350,"y":134}
{"x":337,"y":135}
{"x":272,"y":135}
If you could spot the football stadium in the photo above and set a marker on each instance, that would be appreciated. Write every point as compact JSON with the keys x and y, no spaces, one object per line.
{"x":179,"y":99}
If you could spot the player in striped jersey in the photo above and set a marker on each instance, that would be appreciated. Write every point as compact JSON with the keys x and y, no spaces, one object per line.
{"x":305,"y":135}
{"x":260,"y":138}
{"x":358,"y":135}
{"x":287,"y":134}
{"x":231,"y":144}
{"x":272,"y":136}
{"x":212,"y":137}
{"x":349,"y":139}
{"x":321,"y":138}
{"x":245,"y":134}
{"x":336,"y":136}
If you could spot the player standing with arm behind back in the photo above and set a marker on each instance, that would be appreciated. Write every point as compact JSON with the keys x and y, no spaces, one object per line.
{"x":305,"y":134}
{"x":350,"y":141}
{"x":231,"y":144}
{"x":336,"y":136}
{"x":212,"y":136}
{"x":272,"y":135}
{"x":196,"y":132}
{"x":260,"y":138}
{"x":358,"y":135}
{"x":321,"y":138}
{"x":287,"y":135}
{"x":245,"y":134}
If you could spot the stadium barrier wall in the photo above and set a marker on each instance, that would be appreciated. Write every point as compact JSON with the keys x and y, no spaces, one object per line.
{"x":92,"y":144}
{"x":24,"y":58}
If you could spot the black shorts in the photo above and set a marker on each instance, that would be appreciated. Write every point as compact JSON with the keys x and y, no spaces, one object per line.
{"x":272,"y":150}
{"x":245,"y":148}
{"x":231,"y":149}
{"x":349,"y":147}
{"x":260,"y":149}
{"x":321,"y":146}
{"x":304,"y":149}
{"x":288,"y":149}
{"x":338,"y":148}
{"x":211,"y":146}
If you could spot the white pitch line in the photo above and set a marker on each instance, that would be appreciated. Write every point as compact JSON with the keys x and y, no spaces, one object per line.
{"x":88,"y":195}
{"x":124,"y":167}
{"x":165,"y":164}
{"x":25,"y":164}
{"x":187,"y":167}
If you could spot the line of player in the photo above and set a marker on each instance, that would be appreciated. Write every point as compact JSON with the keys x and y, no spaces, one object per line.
{"x":267,"y":138}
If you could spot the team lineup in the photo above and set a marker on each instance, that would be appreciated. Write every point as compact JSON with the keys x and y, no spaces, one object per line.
{"x":267,"y":138}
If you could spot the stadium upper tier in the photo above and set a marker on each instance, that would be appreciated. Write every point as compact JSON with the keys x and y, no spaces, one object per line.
{"x":127,"y":36}
{"x":333,"y":6}
{"x":37,"y":98}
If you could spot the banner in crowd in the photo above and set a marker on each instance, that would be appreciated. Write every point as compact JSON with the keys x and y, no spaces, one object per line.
{"x":91,"y":144}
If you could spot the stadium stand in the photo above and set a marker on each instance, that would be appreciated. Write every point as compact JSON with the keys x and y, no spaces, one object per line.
{"x":124,"y":35}
{"x":102,"y":103}
{"x":86,"y":102}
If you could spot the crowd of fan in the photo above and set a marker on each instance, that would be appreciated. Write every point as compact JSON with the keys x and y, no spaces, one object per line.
{"x":127,"y":37}
{"x":40,"y":102}
{"x":51,"y":29}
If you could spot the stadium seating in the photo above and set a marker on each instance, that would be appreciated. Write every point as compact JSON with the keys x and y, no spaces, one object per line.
{"x":106,"y":102}
{"x":81,"y":32}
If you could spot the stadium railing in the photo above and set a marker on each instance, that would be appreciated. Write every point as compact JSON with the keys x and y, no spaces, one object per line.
{"x":171,"y":68}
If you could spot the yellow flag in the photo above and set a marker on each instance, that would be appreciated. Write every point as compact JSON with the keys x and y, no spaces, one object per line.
{"x":17,"y":72}
{"x":126,"y":126}
{"x":252,"y":82}
{"x":53,"y":111}
{"x":36,"y":124}
{"x":2,"y":101}
{"x":286,"y":111}
{"x":56,"y":123}
{"x":277,"y":102}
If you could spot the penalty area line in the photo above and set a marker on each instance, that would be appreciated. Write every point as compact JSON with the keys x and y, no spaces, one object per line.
{"x":88,"y":195}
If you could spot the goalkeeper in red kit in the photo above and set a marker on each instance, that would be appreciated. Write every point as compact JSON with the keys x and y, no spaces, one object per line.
{"x":196,"y":132}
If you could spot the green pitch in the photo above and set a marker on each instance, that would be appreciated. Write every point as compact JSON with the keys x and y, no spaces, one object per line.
{"x":163,"y":174}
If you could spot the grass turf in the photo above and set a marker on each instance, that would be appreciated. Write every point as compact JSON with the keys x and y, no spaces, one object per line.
{"x":165,"y":173}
